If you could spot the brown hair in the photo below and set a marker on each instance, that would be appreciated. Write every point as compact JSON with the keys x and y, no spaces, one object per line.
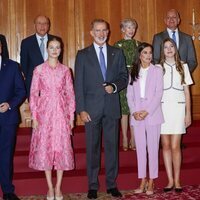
{"x":137,"y":64}
{"x":179,"y":64}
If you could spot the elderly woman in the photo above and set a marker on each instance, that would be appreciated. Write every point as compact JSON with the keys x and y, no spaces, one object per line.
{"x":128,"y":45}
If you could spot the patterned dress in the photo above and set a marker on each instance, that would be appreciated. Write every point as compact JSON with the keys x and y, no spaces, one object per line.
{"x":52,"y":103}
{"x":129,"y":48}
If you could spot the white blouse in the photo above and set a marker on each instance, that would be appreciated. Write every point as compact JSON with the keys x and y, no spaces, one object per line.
{"x":143,"y":76}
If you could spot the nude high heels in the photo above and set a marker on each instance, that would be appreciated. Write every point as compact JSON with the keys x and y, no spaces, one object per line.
{"x":141,"y":189}
{"x":150,"y":191}
{"x":125,"y":145}
{"x":131,"y":146}
{"x":50,"y":197}
{"x":59,"y":198}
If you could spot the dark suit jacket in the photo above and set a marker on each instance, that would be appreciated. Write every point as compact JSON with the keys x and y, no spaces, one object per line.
{"x":30,"y":57}
{"x":4,"y":53}
{"x":90,"y":93}
{"x":186,"y":48}
{"x":12,"y":91}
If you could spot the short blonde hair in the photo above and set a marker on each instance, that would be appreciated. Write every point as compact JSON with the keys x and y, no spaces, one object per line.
{"x":126,"y":21}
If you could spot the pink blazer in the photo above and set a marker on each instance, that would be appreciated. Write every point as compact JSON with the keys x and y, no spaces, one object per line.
{"x":152,"y":100}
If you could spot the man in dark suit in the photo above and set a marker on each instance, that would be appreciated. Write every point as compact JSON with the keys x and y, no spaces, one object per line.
{"x":183,"y":41}
{"x":5,"y":53}
{"x":100,"y":73}
{"x":12,"y":94}
{"x":33,"y":49}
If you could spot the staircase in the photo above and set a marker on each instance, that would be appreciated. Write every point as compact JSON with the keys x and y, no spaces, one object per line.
{"x":28,"y":181}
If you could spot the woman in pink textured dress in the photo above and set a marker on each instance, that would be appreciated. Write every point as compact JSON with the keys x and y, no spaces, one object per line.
{"x":52,"y":105}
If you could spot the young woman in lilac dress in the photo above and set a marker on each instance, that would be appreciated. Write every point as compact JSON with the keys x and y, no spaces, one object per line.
{"x":52,"y":105}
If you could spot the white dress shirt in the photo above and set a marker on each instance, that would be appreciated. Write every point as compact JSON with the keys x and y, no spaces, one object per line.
{"x":170,"y":32}
{"x":143,"y":77}
{"x":104,"y":49}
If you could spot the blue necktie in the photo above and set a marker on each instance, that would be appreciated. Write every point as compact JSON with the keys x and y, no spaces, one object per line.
{"x":42,"y":47}
{"x":102,"y":63}
{"x":174,"y":36}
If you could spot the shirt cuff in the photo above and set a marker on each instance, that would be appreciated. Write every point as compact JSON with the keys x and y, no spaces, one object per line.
{"x":114,"y":87}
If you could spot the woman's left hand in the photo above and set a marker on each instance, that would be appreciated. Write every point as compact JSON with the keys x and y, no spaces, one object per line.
{"x":143,"y":114}
{"x":72,"y":124}
{"x":188,"y":120}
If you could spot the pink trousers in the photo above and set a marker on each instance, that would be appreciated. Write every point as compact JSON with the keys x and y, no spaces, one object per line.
{"x":147,"y":142}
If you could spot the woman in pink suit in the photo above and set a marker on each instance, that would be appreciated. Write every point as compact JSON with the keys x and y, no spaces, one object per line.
{"x":52,"y":105}
{"x":144,"y":95}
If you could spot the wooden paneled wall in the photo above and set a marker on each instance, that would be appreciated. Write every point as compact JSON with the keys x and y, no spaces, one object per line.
{"x":71,"y":19}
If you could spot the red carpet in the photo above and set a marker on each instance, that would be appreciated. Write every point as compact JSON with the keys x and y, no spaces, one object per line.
{"x":31,"y":182}
{"x":189,"y":193}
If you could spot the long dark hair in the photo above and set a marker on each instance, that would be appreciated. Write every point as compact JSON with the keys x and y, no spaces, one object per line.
{"x":137,"y":64}
{"x":179,"y":64}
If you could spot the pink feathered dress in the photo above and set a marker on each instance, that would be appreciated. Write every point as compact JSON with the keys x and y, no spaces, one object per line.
{"x":52,"y":103}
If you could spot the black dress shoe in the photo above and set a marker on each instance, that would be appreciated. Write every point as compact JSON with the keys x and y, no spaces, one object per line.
{"x":114,"y":192}
{"x":10,"y":196}
{"x":168,"y":189}
{"x":178,"y":190}
{"x":92,"y":194}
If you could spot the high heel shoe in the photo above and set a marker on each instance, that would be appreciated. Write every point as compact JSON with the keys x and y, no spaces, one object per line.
{"x":141,"y":189}
{"x":50,"y":198}
{"x":168,"y":189}
{"x":178,"y":189}
{"x":59,"y":198}
{"x":125,"y":145}
{"x":131,"y":146}
{"x":58,"y":192}
{"x":151,"y":191}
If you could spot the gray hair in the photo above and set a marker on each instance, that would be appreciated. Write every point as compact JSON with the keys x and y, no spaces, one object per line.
{"x":126,"y":21}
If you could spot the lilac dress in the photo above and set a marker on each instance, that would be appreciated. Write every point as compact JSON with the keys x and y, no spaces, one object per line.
{"x":52,"y":103}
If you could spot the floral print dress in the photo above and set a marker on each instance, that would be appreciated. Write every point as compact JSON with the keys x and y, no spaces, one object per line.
{"x":129,"y":49}
{"x":52,"y":103}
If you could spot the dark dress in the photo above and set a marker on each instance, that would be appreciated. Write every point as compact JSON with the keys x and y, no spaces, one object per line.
{"x":129,"y":49}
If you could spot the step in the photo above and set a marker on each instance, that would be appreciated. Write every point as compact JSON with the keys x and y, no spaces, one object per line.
{"x":78,"y":139}
{"x":30,"y":182}
{"x":76,"y":181}
{"x":126,"y":159}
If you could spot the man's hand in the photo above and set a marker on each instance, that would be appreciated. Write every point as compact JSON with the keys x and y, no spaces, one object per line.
{"x":85,"y":117}
{"x":4,"y":107}
{"x":109,"y":87}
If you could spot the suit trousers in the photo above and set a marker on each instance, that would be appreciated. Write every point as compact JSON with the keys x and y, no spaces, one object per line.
{"x":147,"y":142}
{"x":94,"y":129}
{"x":7,"y":146}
